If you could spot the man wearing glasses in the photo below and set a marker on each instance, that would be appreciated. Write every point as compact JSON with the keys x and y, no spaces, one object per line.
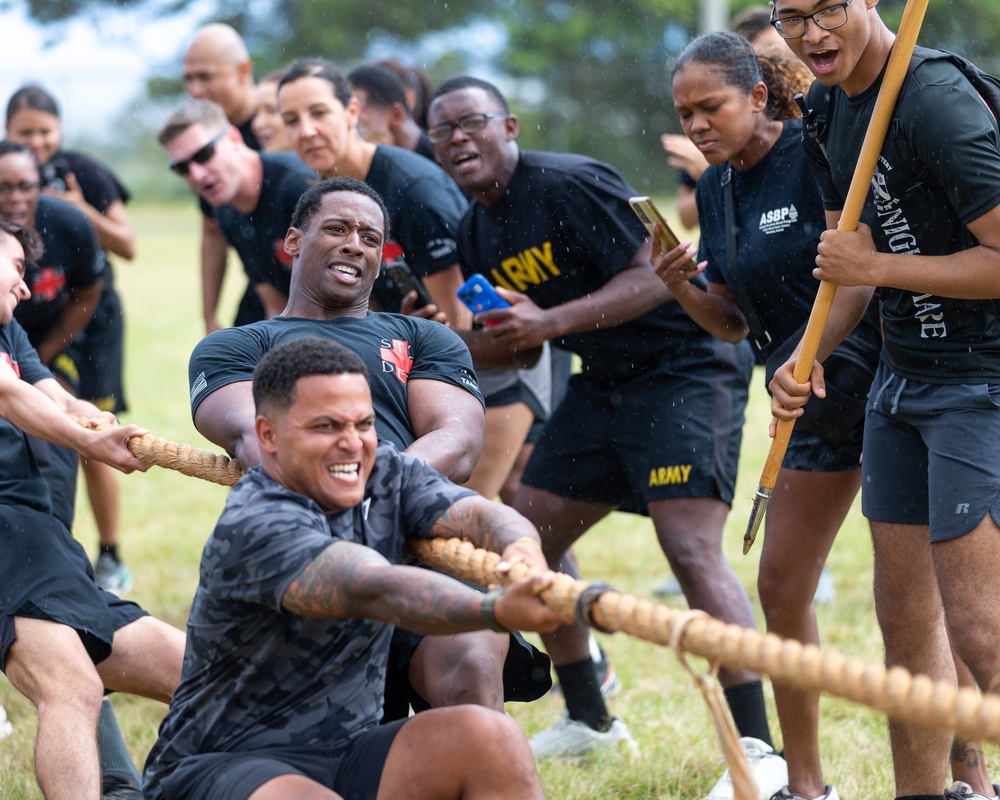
{"x":252,"y":195}
{"x":930,"y":240}
{"x":653,"y":423}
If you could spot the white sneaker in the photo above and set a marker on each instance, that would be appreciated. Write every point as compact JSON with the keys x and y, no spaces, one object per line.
{"x":960,"y":790}
{"x":570,"y":737}
{"x":769,"y":771}
{"x":829,"y":793}
{"x":6,"y":729}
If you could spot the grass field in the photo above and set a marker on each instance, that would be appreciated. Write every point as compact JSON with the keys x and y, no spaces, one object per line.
{"x":166,"y":518}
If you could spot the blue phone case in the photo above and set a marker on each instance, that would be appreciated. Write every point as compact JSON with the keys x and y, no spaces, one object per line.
{"x":478,"y":295}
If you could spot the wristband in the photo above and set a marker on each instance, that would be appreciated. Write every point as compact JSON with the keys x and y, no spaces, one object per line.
{"x":487,"y":612}
{"x":585,"y":604}
{"x":533,"y":541}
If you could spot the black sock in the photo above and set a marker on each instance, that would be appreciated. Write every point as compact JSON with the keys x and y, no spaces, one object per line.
{"x":111,"y":550}
{"x":582,"y":693}
{"x":746,"y":703}
{"x":117,"y":768}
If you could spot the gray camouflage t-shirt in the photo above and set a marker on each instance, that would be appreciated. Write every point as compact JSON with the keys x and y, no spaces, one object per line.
{"x":256,"y":677}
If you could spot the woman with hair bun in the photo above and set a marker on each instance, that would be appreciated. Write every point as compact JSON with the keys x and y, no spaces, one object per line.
{"x":738,"y":109}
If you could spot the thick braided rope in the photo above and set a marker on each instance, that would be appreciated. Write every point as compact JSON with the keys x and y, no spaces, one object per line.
{"x":183,"y":458}
{"x":894,"y":692}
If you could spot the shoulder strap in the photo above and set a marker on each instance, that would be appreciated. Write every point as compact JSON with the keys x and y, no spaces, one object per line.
{"x":761,"y":338}
{"x":985,"y":84}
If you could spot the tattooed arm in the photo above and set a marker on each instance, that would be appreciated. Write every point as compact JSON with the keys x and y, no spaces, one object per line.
{"x":492,"y":526}
{"x":349,"y":580}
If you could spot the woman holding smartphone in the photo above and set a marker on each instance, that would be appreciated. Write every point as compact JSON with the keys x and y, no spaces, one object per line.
{"x":33,"y":120}
{"x":738,"y":110}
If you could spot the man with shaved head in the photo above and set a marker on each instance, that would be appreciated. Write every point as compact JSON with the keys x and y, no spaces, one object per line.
{"x":217,"y":67}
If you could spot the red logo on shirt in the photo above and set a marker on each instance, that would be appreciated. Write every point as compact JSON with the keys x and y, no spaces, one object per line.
{"x":391,"y":251}
{"x":397,"y":359}
{"x":13,"y":364}
{"x":282,"y":257}
{"x":47,"y":283}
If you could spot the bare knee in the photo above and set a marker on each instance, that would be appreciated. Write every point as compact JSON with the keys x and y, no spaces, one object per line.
{"x":80,"y":692}
{"x":461,"y":670}
{"x":785,"y":593}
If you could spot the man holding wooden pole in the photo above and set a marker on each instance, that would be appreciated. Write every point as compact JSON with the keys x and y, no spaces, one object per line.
{"x":930,"y":240}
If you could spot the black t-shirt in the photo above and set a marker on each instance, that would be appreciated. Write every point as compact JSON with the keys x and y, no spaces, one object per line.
{"x":73,"y":259}
{"x":939,"y":170}
{"x":424,"y":207}
{"x":259,"y":237}
{"x":246,"y":131}
{"x":563,"y":229}
{"x":99,"y":185}
{"x":20,"y":480}
{"x":779,"y":219}
{"x":425,"y":148}
{"x":395,"y":349}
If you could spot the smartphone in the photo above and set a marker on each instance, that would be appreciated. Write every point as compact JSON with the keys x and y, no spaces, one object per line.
{"x":53,"y":174}
{"x":478,"y":295}
{"x":399,"y":274}
{"x":650,"y":215}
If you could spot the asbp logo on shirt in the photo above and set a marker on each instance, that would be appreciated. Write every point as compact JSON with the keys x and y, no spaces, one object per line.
{"x":778,"y":220}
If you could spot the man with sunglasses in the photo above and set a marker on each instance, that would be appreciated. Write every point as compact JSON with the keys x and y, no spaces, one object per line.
{"x":251,"y":195}
{"x":653,"y":423}
{"x":930,"y":240}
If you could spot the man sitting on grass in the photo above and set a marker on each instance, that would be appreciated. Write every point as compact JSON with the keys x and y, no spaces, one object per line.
{"x":301,"y":582}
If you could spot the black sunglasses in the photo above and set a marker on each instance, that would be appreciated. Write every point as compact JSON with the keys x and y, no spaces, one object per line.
{"x":201,"y":156}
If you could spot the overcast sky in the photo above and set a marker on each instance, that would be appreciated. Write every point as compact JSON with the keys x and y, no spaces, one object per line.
{"x":95,"y":66}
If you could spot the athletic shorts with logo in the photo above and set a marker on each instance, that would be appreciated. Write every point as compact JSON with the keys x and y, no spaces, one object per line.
{"x":672,"y":431}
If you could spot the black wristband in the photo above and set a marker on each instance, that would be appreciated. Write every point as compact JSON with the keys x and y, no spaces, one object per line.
{"x":585,"y":603}
{"x":487,"y":613}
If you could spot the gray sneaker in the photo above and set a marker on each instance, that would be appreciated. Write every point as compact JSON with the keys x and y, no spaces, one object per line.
{"x":112,"y":575}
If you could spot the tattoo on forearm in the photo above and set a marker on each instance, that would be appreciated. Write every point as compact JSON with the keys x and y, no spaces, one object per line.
{"x":323,"y":588}
{"x":963,"y":753}
{"x":489,"y":525}
{"x":349,"y":580}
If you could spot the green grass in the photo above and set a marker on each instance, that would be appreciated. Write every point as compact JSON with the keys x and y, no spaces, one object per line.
{"x":166,"y":518}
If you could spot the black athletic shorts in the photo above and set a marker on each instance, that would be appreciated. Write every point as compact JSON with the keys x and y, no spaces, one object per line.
{"x":92,"y":364}
{"x":673,"y":431}
{"x":45,"y":574}
{"x":517,"y":393}
{"x":808,"y":453}
{"x":527,"y":675}
{"x":353,"y":772}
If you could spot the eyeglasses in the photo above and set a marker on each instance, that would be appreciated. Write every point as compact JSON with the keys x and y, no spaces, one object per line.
{"x":827,"y":18}
{"x":470,"y":123}
{"x":24,"y":187}
{"x":202,"y":156}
